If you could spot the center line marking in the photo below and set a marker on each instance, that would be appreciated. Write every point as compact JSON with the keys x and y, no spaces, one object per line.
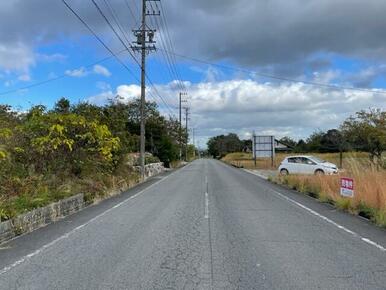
{"x":206,"y":205}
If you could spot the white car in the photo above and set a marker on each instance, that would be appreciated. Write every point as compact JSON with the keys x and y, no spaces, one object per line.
{"x":306,"y":164}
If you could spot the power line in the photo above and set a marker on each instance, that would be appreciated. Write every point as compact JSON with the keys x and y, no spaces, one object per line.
{"x":131,"y":54}
{"x":136,"y":7}
{"x":167,"y":59}
{"x":99,"y":39}
{"x":316,"y":84}
{"x":131,"y":12}
{"x":116,"y":20}
{"x":165,"y":23}
{"x":169,"y":46}
{"x":111,"y":26}
{"x":105,"y":46}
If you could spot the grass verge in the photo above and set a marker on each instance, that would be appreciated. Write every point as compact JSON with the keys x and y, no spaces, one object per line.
{"x":35,"y":191}
{"x":369,"y":200}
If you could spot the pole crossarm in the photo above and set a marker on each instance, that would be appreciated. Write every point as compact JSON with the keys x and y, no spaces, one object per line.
{"x":144,"y":44}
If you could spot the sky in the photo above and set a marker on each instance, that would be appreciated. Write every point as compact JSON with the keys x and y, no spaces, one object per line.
{"x":240,"y":44}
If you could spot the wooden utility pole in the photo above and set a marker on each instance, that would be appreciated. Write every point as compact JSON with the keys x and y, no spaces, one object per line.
{"x":180,"y":128}
{"x":144,"y":44}
{"x":187,"y":132}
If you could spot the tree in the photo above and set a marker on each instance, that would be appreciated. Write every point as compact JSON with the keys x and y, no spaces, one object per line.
{"x":332,"y":141}
{"x":301,"y":146}
{"x":366,"y":130}
{"x":62,"y":106}
{"x":314,"y":141}
{"x":288,"y":141}
{"x":61,"y":142}
{"x":247,"y":145}
{"x":221,"y":145}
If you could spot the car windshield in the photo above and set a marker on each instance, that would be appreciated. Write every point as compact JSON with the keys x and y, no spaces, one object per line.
{"x":317,"y":160}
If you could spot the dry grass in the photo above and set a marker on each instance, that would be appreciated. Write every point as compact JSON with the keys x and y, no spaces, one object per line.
{"x":37,"y":191}
{"x":244,"y":160}
{"x":369,"y":191}
{"x":369,"y":182}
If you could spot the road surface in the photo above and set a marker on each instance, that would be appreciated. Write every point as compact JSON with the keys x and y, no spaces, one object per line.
{"x":205,"y":226}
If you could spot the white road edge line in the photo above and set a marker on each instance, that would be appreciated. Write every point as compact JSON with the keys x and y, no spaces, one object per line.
{"x":257,"y":174}
{"x":366,"y":240}
{"x":65,"y":236}
{"x":326,"y":219}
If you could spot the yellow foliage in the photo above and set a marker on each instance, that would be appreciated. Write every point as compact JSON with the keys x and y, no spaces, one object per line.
{"x":5,"y":133}
{"x":3,"y":154}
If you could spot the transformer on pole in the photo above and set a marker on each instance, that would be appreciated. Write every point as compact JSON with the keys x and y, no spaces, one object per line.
{"x":144,"y":44}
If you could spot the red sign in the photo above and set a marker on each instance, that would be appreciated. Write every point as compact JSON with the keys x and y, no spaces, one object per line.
{"x":347,"y":187}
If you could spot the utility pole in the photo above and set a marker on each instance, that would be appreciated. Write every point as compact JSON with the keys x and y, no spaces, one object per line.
{"x":194,"y":143}
{"x":180,"y":128}
{"x":187,"y":132}
{"x":144,"y":43}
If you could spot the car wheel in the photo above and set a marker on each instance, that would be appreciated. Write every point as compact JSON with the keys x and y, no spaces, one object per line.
{"x":319,"y":172}
{"x":284,"y":172}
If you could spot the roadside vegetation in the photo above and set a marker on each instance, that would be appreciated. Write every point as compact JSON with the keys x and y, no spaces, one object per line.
{"x":360,"y":144}
{"x":369,"y":189}
{"x":47,"y":155}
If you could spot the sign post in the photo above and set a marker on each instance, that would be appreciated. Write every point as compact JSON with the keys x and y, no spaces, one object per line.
{"x":263,"y":147}
{"x":347,"y":187}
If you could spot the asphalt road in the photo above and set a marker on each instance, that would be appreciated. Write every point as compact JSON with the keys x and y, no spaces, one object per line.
{"x":205,"y":226}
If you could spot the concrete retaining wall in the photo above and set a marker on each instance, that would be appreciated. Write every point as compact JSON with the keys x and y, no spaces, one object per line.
{"x":40,"y":217}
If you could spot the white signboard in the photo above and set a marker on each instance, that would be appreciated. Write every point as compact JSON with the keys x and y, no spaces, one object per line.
{"x":347,"y":187}
{"x":263,"y":146}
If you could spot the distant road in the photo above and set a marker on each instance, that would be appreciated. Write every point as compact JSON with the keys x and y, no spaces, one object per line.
{"x":205,"y":226}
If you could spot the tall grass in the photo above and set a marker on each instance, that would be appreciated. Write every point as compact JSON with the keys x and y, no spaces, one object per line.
{"x":369,"y":182}
{"x":36,"y":191}
{"x":245,"y":159}
{"x":369,"y":190}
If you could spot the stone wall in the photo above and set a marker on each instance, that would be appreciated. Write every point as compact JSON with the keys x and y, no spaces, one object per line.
{"x":152,"y":169}
{"x":40,"y":217}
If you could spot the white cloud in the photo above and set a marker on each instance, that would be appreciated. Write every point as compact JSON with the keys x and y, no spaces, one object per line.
{"x":101,"y":98}
{"x":241,"y":106}
{"x":129,"y":92}
{"x":24,"y":78}
{"x":326,"y":77}
{"x":82,"y":71}
{"x":77,"y":73}
{"x":56,"y":57}
{"x":103,"y":86}
{"x":101,"y":70}
{"x":125,"y":93}
{"x":287,"y":109}
{"x":16,"y":56}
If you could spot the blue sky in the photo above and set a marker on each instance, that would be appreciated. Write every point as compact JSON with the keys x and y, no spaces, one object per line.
{"x":302,"y":43}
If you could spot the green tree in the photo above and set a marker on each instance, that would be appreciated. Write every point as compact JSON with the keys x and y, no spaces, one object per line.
{"x":366,"y":130}
{"x":301,"y":146}
{"x":67,"y":141}
{"x":288,"y":141}
{"x":221,"y":145}
{"x":62,"y":106}
{"x":332,"y":141}
{"x":314,"y":141}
